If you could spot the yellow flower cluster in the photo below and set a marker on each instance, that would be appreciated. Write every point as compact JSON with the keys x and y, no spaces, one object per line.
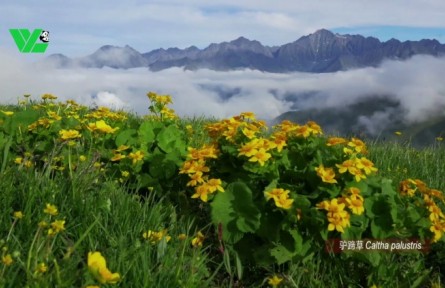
{"x":280,"y":197}
{"x":161,"y":101}
{"x":106,"y":113}
{"x":198,"y":240}
{"x":195,"y":167}
{"x":409,"y":187}
{"x":294,"y":130}
{"x":358,"y":167}
{"x":155,"y":237}
{"x":48,"y":97}
{"x":26,"y":161}
{"x":338,"y":218}
{"x":257,"y":150}
{"x":327,"y":175}
{"x":351,"y":147}
{"x":353,"y":200}
{"x":135,"y":156}
{"x":168,"y":113}
{"x":229,"y":128}
{"x":56,"y":226}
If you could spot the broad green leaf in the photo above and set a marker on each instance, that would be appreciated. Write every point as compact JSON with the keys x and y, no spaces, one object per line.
{"x":235,"y":210}
{"x":170,"y":139}
{"x":147,"y":131}
{"x":126,"y":137}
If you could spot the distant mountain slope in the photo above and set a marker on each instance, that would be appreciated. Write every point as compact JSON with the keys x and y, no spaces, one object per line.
{"x":322,"y":51}
{"x":376,"y":116}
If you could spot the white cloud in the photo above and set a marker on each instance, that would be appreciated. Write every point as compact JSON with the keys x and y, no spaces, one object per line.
{"x":416,"y":83}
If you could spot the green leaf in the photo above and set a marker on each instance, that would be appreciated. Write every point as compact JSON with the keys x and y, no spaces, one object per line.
{"x":282,"y":254}
{"x":170,"y":139}
{"x":371,"y":257}
{"x":235,"y":210}
{"x":126,"y":137}
{"x":147,"y":131}
{"x":291,"y":246}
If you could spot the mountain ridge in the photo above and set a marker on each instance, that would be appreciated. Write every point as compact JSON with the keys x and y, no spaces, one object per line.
{"x":320,"y":52}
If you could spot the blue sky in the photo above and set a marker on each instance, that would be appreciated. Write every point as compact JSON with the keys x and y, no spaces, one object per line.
{"x":80,"y":27}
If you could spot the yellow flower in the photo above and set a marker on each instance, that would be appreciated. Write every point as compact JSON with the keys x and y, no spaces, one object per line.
{"x":260,"y":156}
{"x":314,"y":128}
{"x":101,"y":126}
{"x":49,"y":96}
{"x":196,"y":179}
{"x":97,"y":266}
{"x":182,"y":236}
{"x":18,"y":160}
{"x":284,"y":202}
{"x":438,"y":229}
{"x":338,"y":218}
{"x":287,"y":126}
{"x":201,"y":192}
{"x":214,"y":184}
{"x":276,"y":193}
{"x":198,"y":240}
{"x":205,"y":152}
{"x":279,"y":139}
{"x":338,"y":221}
{"x":58,"y":225}
{"x":439,"y":138}
{"x":82,"y":158}
{"x":117,"y":157}
{"x":8,"y":113}
{"x":347,"y":165}
{"x":355,"y":203}
{"x":405,"y":188}
{"x":248,"y":115}
{"x":154,"y":237}
{"x":249,"y":149}
{"x":398,"y":133}
{"x":327,"y":175}
{"x":121,"y":148}
{"x":18,"y":214}
{"x":353,"y":191}
{"x":189,"y":129}
{"x":136,"y":156}
{"x":248,"y":133}
{"x":54,"y":115}
{"x":366,"y":165}
{"x":50,"y":209}
{"x":125,"y":174}
{"x":358,"y":174}
{"x":335,"y":141}
{"x":69,"y":134}
{"x":274,"y":281}
{"x":41,"y":268}
{"x":7,"y":259}
{"x":358,"y":145}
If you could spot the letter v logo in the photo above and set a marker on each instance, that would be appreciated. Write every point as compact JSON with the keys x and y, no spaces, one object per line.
{"x":27,"y":42}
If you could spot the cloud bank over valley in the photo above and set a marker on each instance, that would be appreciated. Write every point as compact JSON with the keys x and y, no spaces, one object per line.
{"x":415,"y":86}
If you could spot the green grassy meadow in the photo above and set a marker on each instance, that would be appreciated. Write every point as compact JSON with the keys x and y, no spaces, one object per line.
{"x":63,"y":196}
